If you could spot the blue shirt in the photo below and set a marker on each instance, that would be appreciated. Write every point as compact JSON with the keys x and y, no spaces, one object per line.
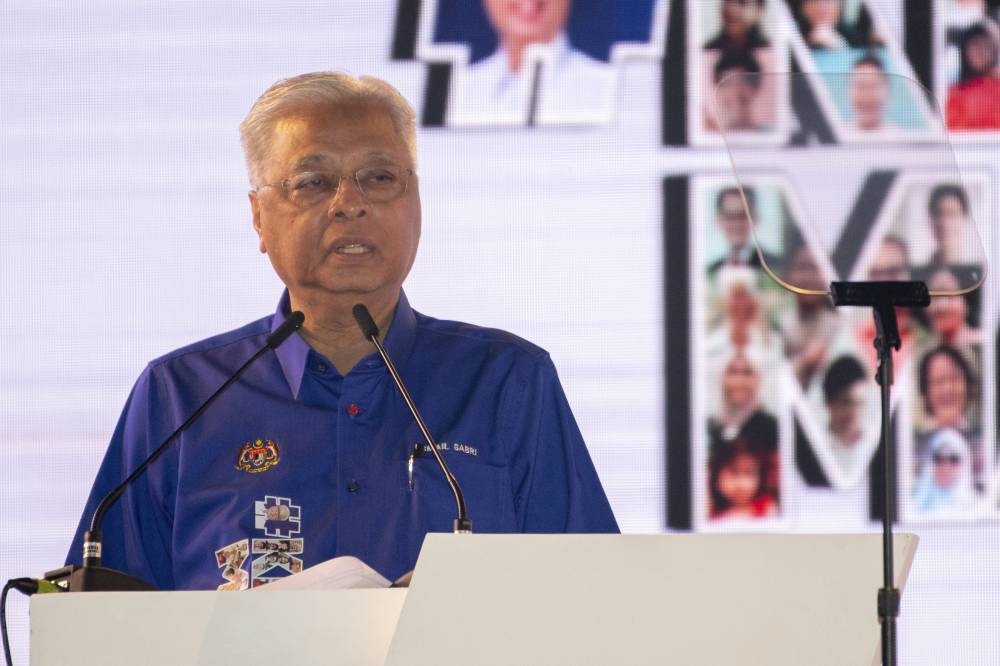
{"x":296,"y":464}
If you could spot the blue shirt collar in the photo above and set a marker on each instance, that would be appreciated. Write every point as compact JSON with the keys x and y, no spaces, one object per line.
{"x":294,"y":353}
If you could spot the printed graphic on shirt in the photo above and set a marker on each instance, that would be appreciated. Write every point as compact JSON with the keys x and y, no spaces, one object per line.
{"x":277,"y":516}
{"x":258,"y":456}
{"x":274,"y":563}
{"x":293,"y":546}
{"x":230,"y":559}
{"x":259,"y":582}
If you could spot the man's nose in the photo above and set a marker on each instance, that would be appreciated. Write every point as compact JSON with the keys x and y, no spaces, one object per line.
{"x":349,"y":203}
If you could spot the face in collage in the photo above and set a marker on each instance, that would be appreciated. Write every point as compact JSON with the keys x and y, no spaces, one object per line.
{"x":857,"y":81}
{"x":770,"y":353}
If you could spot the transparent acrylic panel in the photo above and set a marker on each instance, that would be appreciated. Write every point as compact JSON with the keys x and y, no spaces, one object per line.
{"x":869,"y":189}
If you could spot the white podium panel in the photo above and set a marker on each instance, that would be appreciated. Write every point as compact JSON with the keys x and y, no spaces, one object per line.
{"x":774,"y":600}
{"x":213,"y":628}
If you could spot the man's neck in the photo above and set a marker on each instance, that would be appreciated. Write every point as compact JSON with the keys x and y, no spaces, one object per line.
{"x":515,"y":50}
{"x":514,"y":53}
{"x":331,"y":330}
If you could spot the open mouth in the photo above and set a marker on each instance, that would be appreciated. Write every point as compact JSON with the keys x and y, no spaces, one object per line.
{"x":355,"y":248}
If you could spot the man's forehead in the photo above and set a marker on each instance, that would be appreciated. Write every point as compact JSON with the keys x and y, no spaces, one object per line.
{"x":326,"y":137}
{"x":335,"y":122}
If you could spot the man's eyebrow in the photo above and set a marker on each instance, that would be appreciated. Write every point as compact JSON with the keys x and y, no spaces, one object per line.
{"x":378,"y":156}
{"x":309,"y":161}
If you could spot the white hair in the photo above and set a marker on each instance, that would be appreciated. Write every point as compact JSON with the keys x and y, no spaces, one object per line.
{"x":332,"y":89}
{"x":733,"y":277}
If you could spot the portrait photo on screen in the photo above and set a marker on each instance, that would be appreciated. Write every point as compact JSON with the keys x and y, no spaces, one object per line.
{"x":741,"y":456}
{"x":938,"y":217}
{"x":864,"y":87}
{"x":736,"y":217}
{"x":951,"y":468}
{"x":732,"y":56}
{"x":832,"y":25}
{"x":742,"y":452}
{"x":926,"y":231}
{"x":831,"y":388}
{"x":556,"y":62}
{"x":819,"y":362}
{"x":967,"y":69}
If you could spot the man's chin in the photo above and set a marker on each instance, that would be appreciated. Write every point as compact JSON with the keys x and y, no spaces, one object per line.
{"x":361,"y":290}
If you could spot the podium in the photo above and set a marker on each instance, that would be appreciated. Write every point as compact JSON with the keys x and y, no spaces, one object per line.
{"x":518,"y":599}
{"x":214,"y":628}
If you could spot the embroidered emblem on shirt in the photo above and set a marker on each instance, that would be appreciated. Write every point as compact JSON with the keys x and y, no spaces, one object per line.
{"x":277,"y":516}
{"x":230,"y":559}
{"x":258,"y":456}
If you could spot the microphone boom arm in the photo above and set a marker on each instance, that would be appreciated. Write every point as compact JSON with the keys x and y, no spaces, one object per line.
{"x":462,"y":523}
{"x":92,"y":537}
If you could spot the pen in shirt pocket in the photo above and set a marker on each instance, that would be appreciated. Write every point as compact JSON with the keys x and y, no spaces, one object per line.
{"x":416,"y":452}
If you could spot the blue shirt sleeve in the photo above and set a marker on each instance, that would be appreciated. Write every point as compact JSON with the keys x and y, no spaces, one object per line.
{"x":556,"y":488}
{"x":137,"y":530}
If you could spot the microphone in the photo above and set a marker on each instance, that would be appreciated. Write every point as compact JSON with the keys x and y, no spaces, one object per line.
{"x":370,"y":330}
{"x":92,"y":576}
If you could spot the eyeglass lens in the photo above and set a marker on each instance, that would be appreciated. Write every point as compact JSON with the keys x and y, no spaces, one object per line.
{"x":377,"y":184}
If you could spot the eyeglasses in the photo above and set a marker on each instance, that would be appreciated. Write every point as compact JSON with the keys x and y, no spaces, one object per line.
{"x":953,"y":459}
{"x":378,"y":184}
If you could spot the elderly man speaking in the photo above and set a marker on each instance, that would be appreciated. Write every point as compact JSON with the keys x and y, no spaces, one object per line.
{"x":313,"y":452}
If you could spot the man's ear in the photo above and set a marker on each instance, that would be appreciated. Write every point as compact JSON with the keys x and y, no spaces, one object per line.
{"x":255,"y":211}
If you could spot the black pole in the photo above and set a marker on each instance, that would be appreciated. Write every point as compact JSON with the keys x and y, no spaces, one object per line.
{"x":886,"y":340}
{"x":884,"y":298}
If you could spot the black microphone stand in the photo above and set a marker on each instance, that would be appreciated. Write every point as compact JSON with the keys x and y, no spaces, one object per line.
{"x":884,"y":298}
{"x":462,"y":524}
{"x":92,"y":577}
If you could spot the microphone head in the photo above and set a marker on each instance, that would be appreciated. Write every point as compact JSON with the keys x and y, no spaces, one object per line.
{"x":365,"y":321}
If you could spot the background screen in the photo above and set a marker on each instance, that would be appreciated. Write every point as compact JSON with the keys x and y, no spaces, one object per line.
{"x":578,"y":205}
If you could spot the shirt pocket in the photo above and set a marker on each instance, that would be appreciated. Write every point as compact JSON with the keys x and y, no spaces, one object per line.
{"x":485,"y":486}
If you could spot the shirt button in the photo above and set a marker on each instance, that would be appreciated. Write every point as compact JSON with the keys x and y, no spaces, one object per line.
{"x":353,"y":486}
{"x":353,"y":410}
{"x":321,"y":367}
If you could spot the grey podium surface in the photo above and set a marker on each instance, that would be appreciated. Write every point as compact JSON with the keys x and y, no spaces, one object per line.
{"x":770,"y":600}
{"x":213,"y":628}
